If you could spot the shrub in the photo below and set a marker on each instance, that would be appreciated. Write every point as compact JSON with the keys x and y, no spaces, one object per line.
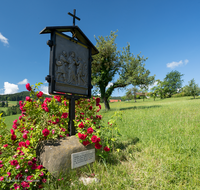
{"x":42,"y":119}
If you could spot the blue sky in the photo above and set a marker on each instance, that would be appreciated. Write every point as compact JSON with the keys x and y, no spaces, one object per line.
{"x":165,"y":31}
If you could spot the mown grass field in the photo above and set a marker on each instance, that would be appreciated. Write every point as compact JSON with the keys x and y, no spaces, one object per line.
{"x":159,"y":148}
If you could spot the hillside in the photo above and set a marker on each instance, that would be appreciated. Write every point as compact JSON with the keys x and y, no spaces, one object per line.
{"x":17,"y":96}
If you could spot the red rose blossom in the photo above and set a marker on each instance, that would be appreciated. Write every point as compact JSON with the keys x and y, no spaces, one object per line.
{"x":12,"y":131}
{"x":39,"y":94}
{"x":28,"y":142}
{"x":90,"y":130}
{"x":25,"y":184}
{"x":5,"y":145}
{"x":90,"y":108}
{"x":14,"y":162}
{"x":94,"y":139}
{"x":46,"y":109}
{"x":34,"y":159}
{"x":20,"y":103}
{"x":14,"y":126}
{"x":25,"y":136}
{"x":106,"y":149}
{"x":82,"y":136}
{"x":34,"y":167}
{"x":8,"y":174}
{"x":64,"y":115}
{"x":97,"y":146}
{"x":29,"y":178}
{"x":39,"y":167}
{"x":28,"y":99}
{"x":85,"y":143}
{"x":81,"y":125}
{"x":28,"y":87}
{"x":97,"y":101}
{"x":45,"y":132}
{"x":30,"y":163}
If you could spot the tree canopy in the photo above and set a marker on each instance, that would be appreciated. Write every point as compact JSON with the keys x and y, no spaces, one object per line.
{"x":192,"y":89}
{"x":110,"y":62}
{"x":172,"y":82}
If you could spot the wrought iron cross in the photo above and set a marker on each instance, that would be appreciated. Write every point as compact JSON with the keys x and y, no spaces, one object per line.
{"x":74,"y":16}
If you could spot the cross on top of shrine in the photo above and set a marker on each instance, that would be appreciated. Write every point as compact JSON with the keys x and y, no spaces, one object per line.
{"x":74,"y":16}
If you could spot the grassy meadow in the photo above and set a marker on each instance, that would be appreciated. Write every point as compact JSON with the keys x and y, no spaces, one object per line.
{"x":159,"y":148}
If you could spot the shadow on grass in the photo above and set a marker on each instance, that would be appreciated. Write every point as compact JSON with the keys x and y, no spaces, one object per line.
{"x":125,"y":149}
{"x":196,"y":98}
{"x":140,"y":107}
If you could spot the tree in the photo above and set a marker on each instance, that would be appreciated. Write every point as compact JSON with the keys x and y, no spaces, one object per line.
{"x":134,"y":70}
{"x":158,"y":89}
{"x":110,"y":62}
{"x":192,"y":88}
{"x":143,"y":93}
{"x":172,"y":82}
{"x":2,"y":104}
{"x":131,"y":93}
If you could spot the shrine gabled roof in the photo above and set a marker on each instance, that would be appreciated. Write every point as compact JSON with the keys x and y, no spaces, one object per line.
{"x":74,"y":29}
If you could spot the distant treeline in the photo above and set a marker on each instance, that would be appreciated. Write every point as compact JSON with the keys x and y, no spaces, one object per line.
{"x":14,"y":97}
{"x":4,"y":99}
{"x":116,"y":97}
{"x":11,"y":111}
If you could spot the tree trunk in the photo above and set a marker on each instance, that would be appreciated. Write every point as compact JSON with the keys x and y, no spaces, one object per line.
{"x":106,"y":103}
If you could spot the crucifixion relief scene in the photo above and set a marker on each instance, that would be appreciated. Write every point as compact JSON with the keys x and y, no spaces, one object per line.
{"x":71,"y":69}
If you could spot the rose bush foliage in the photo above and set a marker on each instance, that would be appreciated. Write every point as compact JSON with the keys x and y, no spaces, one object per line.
{"x":42,"y":119}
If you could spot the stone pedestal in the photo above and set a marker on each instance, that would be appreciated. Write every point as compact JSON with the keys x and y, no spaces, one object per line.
{"x":55,"y":155}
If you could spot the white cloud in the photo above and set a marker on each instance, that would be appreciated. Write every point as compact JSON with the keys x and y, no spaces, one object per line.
{"x":25,"y":81}
{"x":44,"y":89}
{"x":186,"y":61}
{"x":176,"y":64}
{"x":3,"y":39}
{"x":109,"y":84}
{"x":10,"y":88}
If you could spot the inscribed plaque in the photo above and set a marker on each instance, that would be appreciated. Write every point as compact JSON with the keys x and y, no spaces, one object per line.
{"x":82,"y":158}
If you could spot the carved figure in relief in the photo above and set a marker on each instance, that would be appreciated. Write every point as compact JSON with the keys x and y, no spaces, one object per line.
{"x":85,"y":74}
{"x":72,"y":68}
{"x":61,"y":63}
{"x":79,"y":71}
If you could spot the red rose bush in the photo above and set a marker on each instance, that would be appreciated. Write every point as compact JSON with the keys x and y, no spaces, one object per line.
{"x":43,"y":119}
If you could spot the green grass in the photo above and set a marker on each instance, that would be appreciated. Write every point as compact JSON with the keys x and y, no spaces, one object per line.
{"x":9,"y":120}
{"x":159,"y":148}
{"x":12,"y":103}
{"x":165,"y":157}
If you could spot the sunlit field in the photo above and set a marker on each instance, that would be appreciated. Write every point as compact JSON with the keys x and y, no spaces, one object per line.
{"x":158,"y":148}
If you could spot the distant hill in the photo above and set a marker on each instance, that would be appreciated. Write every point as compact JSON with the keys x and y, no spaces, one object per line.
{"x":14,"y":97}
{"x":116,"y":97}
{"x":17,"y":96}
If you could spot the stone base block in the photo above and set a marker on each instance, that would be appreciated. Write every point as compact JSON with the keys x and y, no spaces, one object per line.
{"x":55,"y":155}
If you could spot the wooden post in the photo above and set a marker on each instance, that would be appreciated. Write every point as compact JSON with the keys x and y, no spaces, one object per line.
{"x":71,"y":116}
